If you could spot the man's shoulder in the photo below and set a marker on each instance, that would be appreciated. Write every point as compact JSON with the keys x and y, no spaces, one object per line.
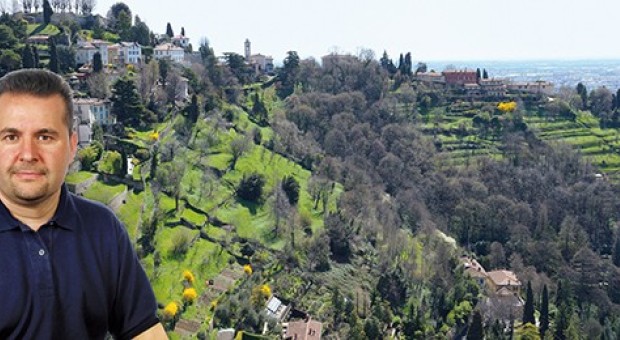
{"x":94,"y":215}
{"x":87,"y":206}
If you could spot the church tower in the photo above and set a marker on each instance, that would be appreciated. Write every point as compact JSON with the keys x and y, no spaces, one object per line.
{"x":248,"y":49}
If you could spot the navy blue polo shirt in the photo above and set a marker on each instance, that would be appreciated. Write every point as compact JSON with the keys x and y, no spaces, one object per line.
{"x":77,"y":277}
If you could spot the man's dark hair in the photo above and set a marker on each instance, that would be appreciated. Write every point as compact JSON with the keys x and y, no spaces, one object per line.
{"x":39,"y":83}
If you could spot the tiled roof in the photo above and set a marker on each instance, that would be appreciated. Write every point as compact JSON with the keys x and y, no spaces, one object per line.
{"x":504,"y":278}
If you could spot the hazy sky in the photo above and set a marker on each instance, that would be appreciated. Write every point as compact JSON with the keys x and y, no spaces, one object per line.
{"x":429,"y":29}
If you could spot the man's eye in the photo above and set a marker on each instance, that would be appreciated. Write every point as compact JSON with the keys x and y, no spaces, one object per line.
{"x":45,"y":138}
{"x":10,"y":138}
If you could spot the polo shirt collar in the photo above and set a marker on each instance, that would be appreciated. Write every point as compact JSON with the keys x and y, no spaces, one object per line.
{"x":64,"y":217}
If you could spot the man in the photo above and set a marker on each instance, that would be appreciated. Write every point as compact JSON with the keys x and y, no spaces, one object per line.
{"x":67,"y":267}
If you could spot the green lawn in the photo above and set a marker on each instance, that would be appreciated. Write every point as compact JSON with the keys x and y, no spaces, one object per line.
{"x":79,"y":177}
{"x":103,"y":192}
{"x":42,"y":29}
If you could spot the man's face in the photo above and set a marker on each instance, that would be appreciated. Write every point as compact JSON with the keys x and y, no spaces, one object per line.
{"x":35,"y":148}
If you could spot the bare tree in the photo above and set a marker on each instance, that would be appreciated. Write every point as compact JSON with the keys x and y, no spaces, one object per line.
{"x":148,"y":80}
{"x":280,"y":207}
{"x":98,"y":85}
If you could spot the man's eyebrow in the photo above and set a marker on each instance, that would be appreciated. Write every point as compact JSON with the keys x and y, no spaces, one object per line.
{"x":9,"y":130}
{"x":47,"y":131}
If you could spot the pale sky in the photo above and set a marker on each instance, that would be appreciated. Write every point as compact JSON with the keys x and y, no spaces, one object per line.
{"x":430,"y":29}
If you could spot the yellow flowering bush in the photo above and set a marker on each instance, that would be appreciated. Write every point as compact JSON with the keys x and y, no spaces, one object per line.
{"x":247,"y":269}
{"x":265,"y":291}
{"x":189,"y":295}
{"x":154,"y":136}
{"x":188,"y":276}
{"x":171,"y":310}
{"x":507,"y":106}
{"x":260,"y":295}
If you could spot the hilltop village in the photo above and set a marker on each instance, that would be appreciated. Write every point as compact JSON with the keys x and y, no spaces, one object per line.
{"x":346,"y":197}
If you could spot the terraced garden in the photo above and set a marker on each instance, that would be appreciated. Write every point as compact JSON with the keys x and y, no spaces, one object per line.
{"x":460,"y":143}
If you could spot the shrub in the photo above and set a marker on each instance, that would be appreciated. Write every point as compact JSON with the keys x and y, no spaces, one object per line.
{"x":251,"y":187}
{"x":291,"y":188}
{"x":189,"y":295}
{"x":188,"y":276}
{"x":171,"y":310}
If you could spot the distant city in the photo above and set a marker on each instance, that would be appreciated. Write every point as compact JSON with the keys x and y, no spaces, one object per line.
{"x":592,"y":73}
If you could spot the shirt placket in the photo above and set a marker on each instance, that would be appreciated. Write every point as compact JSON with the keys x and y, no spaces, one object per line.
{"x":41,"y":261}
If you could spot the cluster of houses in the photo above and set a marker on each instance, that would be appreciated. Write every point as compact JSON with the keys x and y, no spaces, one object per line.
{"x":503,"y":301}
{"x":471,"y":85}
{"x":90,"y":111}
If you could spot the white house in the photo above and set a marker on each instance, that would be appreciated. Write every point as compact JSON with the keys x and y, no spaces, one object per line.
{"x":261,"y":63}
{"x":86,"y":51}
{"x":92,"y":110}
{"x":169,"y":51}
{"x":180,"y":40}
{"x":126,"y":53}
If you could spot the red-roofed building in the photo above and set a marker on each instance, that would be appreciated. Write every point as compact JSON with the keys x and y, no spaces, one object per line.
{"x":303,"y":330}
{"x":460,"y":77}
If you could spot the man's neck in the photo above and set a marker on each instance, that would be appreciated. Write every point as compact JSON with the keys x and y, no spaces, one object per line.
{"x":34,"y":215}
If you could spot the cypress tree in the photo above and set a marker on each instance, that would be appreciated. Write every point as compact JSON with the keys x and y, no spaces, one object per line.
{"x":544,"y":312}
{"x":485,"y":75}
{"x":183,"y":31}
{"x":27,"y":57}
{"x":169,"y":31}
{"x":475,"y":331}
{"x":35,"y":54}
{"x":47,"y":12}
{"x":528,"y":309}
{"x":97,"y":63}
{"x":615,"y":256}
{"x":53,"y":65}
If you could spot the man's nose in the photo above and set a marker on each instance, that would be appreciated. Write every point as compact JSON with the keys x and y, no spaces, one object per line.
{"x":28,"y":150}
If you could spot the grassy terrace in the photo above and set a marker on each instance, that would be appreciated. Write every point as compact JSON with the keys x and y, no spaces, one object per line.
{"x":103,"y":192}
{"x":78,"y":177}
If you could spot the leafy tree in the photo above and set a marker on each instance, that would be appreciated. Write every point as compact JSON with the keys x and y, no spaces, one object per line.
{"x":47,"y":12}
{"x":140,"y":32}
{"x":66,"y":58}
{"x":527,"y":331}
{"x":238,"y":147}
{"x":169,"y":175}
{"x":7,"y":37}
{"x":169,"y":31}
{"x":114,"y":14}
{"x":238,"y":66}
{"x":476,"y":330}
{"x":127,"y":106}
{"x":372,"y":329}
{"x":182,"y":31}
{"x":340,"y":233}
{"x":485,"y":75}
{"x":259,"y":111}
{"x":251,"y":187}
{"x":28,"y":57}
{"x":544,"y":312}
{"x":111,"y":163}
{"x":287,"y":75}
{"x":291,"y":188}
{"x":97,"y":62}
{"x":9,"y":61}
{"x":528,"y":309}
{"x":123,"y":26}
{"x":318,"y":253}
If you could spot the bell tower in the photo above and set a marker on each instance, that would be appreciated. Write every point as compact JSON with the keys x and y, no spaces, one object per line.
{"x":248,"y":49}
